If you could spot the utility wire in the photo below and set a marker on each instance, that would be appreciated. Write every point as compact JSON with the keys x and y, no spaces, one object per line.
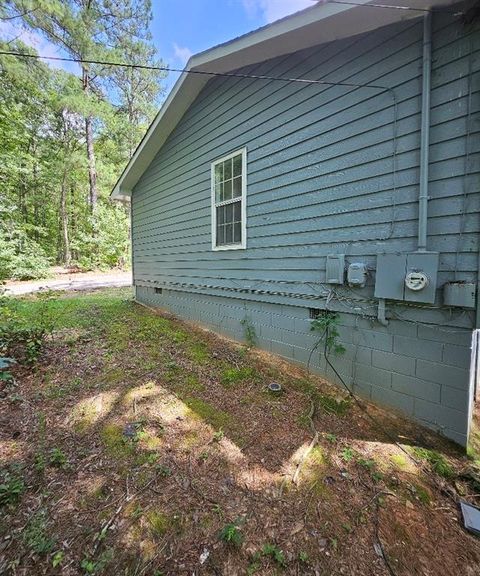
{"x":199,"y":72}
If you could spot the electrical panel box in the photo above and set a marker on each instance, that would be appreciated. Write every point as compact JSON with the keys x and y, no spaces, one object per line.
{"x":335,"y":269}
{"x":357,"y":274}
{"x":411,"y":277}
{"x":461,"y":294}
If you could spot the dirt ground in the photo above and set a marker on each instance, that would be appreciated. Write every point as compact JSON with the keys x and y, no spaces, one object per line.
{"x":71,"y":279}
{"x":142,"y":445}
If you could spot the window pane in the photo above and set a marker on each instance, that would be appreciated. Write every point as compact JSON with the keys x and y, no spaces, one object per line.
{"x":218,"y":172}
{"x":218,"y":188}
{"x":237,"y":212}
{"x":220,"y":235}
{"x":237,"y":186}
{"x":237,"y":232}
{"x":237,"y":165}
{"x":227,"y":169}
{"x":227,"y":190}
{"x":221,"y":215}
{"x":229,"y":234}
{"x":228,"y":213}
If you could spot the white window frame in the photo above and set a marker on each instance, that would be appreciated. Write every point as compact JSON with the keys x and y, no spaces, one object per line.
{"x":243,"y":198}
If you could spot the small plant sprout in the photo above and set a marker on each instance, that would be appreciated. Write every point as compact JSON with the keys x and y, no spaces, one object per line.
{"x":347,"y":454}
{"x":273,"y":552}
{"x":303,"y":557}
{"x":249,"y":332}
{"x":57,"y":458}
{"x":218,"y":435}
{"x":231,"y":534}
{"x":57,"y":558}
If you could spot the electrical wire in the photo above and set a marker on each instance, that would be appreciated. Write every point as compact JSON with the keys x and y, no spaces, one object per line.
{"x":198,"y":72}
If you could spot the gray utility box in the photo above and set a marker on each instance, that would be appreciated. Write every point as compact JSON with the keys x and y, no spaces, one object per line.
{"x":460,"y":294}
{"x":335,"y":269}
{"x":410,"y":277}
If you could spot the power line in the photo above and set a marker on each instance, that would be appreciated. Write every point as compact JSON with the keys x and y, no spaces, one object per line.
{"x":198,"y":72}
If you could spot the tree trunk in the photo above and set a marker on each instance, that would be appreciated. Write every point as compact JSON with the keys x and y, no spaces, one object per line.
{"x":66,"y":254}
{"x":92,"y":171}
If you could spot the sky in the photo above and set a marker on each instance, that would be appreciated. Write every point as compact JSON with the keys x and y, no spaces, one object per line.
{"x":181,"y":28}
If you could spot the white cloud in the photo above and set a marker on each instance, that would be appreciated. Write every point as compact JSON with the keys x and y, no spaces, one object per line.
{"x":271,"y":10}
{"x":182,"y":54}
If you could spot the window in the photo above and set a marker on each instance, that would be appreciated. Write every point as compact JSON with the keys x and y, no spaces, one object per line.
{"x":229,"y":226}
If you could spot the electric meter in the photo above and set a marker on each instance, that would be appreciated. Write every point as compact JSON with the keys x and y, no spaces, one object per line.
{"x":416,"y":281}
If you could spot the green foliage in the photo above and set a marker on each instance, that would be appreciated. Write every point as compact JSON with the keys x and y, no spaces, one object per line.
{"x":21,"y":257}
{"x":347,"y":454}
{"x":57,"y":458}
{"x":249,"y":332}
{"x":11,"y":486}
{"x":231,"y":534}
{"x":22,"y":337}
{"x":436,"y":461}
{"x":273,"y":552}
{"x":91,"y":566}
{"x":44,"y":169}
{"x":326,"y":323}
{"x":36,"y":535}
{"x":303,"y":557}
{"x":233,"y":375}
{"x":58,"y":558}
{"x":333,"y":405}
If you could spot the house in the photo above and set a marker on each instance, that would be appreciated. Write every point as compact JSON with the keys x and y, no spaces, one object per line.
{"x":259,"y":203}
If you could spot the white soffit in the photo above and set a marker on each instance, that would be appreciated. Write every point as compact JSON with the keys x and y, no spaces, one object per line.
{"x":319,"y":24}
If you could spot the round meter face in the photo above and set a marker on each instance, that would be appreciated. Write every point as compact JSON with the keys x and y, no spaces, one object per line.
{"x":416,"y":281}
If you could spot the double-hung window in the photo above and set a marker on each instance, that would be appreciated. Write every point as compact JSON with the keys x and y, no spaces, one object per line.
{"x":229,"y":186}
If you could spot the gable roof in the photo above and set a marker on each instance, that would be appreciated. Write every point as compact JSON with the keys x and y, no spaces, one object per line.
{"x":324,"y":22}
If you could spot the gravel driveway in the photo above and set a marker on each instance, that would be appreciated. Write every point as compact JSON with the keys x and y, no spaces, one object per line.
{"x":78,"y":281}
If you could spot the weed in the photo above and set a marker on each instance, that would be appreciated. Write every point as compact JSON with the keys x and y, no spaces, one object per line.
{"x":333,"y":405}
{"x":231,"y":534}
{"x":137,"y":512}
{"x":57,"y":558}
{"x":159,"y":523}
{"x":57,"y":458}
{"x":347,"y":454}
{"x":163,"y":471}
{"x":11,"y":486}
{"x":399,"y":460}
{"x":331,"y":438}
{"x":273,"y":552}
{"x":218,"y":436}
{"x":326,"y":323}
{"x":368,"y":464}
{"x":234,"y":375}
{"x":249,"y":332}
{"x":421,"y":494}
{"x":436,"y":461}
{"x":89,"y":566}
{"x":303,"y":557}
{"x":36,"y":535}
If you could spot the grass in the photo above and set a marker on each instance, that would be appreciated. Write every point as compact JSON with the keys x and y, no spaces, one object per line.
{"x":151,"y":441}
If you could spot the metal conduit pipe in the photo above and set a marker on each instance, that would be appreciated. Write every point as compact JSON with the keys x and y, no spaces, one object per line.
{"x":425,"y":134}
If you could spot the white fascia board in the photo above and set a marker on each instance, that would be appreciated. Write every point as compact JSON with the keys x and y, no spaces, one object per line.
{"x":319,"y":24}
